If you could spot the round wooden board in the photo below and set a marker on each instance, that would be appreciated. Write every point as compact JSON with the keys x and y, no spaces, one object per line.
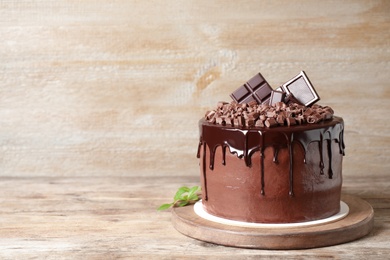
{"x":356,"y":224}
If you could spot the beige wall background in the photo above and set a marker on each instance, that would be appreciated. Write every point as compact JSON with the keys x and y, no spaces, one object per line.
{"x":116,"y":88}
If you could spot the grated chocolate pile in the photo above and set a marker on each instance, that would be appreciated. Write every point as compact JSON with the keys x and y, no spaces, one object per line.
{"x":279,"y":114}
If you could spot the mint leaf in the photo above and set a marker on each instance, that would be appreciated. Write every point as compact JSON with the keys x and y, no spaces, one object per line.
{"x":183,"y":203}
{"x":180,"y":192}
{"x":165,"y":206}
{"x":184,"y":188}
{"x":194,"y":197}
{"x":193,"y":191}
{"x":183,"y":197}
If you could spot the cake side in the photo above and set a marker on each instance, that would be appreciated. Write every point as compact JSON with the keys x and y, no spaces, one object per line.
{"x":272,"y":175}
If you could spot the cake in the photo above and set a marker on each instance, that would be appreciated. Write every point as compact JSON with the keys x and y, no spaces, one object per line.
{"x":271,"y":156}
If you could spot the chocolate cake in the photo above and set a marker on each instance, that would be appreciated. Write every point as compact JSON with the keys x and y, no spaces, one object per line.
{"x":271,"y":156}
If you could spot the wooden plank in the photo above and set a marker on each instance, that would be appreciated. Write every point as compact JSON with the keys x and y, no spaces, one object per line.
{"x":114,"y":217}
{"x":83,"y":87}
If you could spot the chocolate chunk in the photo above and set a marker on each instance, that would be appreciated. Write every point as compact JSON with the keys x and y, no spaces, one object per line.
{"x":328,"y":109}
{"x":280,"y":119}
{"x":252,"y":103}
{"x":212,"y":120}
{"x":291,"y":121}
{"x":219,"y":120}
{"x":280,"y":106}
{"x":221,"y":104}
{"x":249,"y":122}
{"x":228,"y":121}
{"x":210,"y":114}
{"x":259,"y":123}
{"x":309,"y":112}
{"x":255,"y":115}
{"x":256,"y":89}
{"x":270,"y":122}
{"x":276,"y":96}
{"x":241,"y":121}
{"x":327,"y":116}
{"x":300,"y":119}
{"x":270,"y":114}
{"x":314,"y":118}
{"x":263,"y":108}
{"x":302,"y":89}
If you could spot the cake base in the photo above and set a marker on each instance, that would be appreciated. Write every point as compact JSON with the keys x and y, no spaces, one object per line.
{"x":356,"y":224}
{"x":199,"y":210}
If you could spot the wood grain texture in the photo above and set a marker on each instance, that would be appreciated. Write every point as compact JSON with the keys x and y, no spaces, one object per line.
{"x":94,"y":94}
{"x":118,"y":86}
{"x":116,"y":217}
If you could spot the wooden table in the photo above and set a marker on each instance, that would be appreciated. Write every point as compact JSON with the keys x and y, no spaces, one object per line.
{"x":116,"y":217}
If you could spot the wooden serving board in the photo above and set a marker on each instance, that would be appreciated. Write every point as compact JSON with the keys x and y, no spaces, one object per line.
{"x":356,"y":224}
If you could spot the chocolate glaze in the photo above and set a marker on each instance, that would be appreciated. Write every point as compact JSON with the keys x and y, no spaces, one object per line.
{"x":243,"y":143}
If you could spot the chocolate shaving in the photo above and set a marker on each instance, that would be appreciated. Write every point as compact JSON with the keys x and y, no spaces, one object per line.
{"x":264,"y":115}
{"x":291,"y":121}
{"x":280,"y":119}
{"x":315,"y":118}
{"x":271,"y":122}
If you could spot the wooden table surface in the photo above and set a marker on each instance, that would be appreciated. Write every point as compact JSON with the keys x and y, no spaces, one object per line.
{"x":116,"y":217}
{"x":99,"y":104}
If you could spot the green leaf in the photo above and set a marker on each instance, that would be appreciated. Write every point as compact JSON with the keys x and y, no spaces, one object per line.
{"x":183,"y":203}
{"x":194,"y":197}
{"x":180,"y":193}
{"x":192,"y":191}
{"x":165,"y":206}
{"x":183,"y":197}
{"x":184,"y":188}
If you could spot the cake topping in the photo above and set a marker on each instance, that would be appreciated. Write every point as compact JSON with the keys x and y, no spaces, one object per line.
{"x":255,"y":104}
{"x":278,"y":114}
{"x":291,"y":99}
{"x":297,"y":90}
{"x":256,"y":89}
{"x":302,"y":89}
{"x":276,"y":96}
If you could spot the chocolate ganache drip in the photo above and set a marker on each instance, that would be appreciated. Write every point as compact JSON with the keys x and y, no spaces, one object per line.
{"x":245,"y":141}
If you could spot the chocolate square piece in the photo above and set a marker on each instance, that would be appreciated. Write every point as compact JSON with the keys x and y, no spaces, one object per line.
{"x":257,"y":88}
{"x":276,"y":96}
{"x":302,"y":89}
